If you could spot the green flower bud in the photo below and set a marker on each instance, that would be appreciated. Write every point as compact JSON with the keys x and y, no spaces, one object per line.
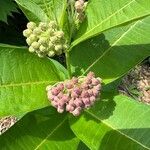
{"x":27,"y":32}
{"x":65,"y":46}
{"x":42,"y":48}
{"x":59,"y":52}
{"x":53,"y":39}
{"x":43,"y":26}
{"x":52,"y":24}
{"x":42,"y":40}
{"x":40,"y":55}
{"x":31,"y":25}
{"x":29,"y":42}
{"x":35,"y":45}
{"x":51,"y":53}
{"x":37,"y":31}
{"x":33,"y":37}
{"x":59,"y":34}
{"x":50,"y":32}
{"x":51,"y":45}
{"x":31,"y":49}
{"x":58,"y":48}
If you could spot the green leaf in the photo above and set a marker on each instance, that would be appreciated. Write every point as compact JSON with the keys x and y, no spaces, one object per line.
{"x":105,"y":14}
{"x":40,"y":130}
{"x":113,"y":53}
{"x":6,"y":8}
{"x":23,"y":79}
{"x":44,"y":10}
{"x":114,"y":123}
{"x":32,"y":11}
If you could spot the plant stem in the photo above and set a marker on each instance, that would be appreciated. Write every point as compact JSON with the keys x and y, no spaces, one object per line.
{"x":68,"y":63}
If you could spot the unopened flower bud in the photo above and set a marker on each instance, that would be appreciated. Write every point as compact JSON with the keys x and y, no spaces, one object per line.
{"x":37,"y":31}
{"x":69,"y":108}
{"x":60,"y":109}
{"x":35,"y":45}
{"x":69,"y":85}
{"x":51,"y":53}
{"x":74,"y":80}
{"x":27,"y":32}
{"x":77,"y":111}
{"x":59,"y":34}
{"x":29,"y":42}
{"x":55,"y":91}
{"x":95,"y":81}
{"x":31,"y":25}
{"x":42,"y":48}
{"x":33,"y":37}
{"x":43,"y":26}
{"x":90,"y":75}
{"x":42,"y":40}
{"x":40,"y":55}
{"x":53,"y":24}
{"x":60,"y":86}
{"x":53,"y":39}
{"x":31,"y":49}
{"x":58,"y":48}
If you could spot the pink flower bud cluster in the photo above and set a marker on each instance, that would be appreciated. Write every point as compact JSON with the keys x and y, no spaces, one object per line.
{"x":76,"y":94}
{"x":80,"y":6}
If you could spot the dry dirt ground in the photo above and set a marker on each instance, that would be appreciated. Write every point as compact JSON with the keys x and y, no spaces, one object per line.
{"x":136,"y":84}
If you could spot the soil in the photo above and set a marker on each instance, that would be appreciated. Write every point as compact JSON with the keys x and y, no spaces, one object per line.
{"x":137,"y":83}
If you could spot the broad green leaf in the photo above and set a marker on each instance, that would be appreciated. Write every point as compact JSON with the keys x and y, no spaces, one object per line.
{"x":32,"y":11}
{"x":113,"y":53}
{"x":40,"y":130}
{"x":23,"y":79}
{"x":44,"y":10}
{"x":115,"y":123}
{"x":105,"y":14}
{"x":6,"y":8}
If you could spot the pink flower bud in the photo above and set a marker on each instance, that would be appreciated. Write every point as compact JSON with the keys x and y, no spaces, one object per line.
{"x":86,"y":101}
{"x":50,"y":96}
{"x":84,"y":94}
{"x":61,"y":103}
{"x":60,"y":95}
{"x":77,"y":90}
{"x":53,"y":103}
{"x":95,"y":81}
{"x":69,"y":108}
{"x":69,"y":85}
{"x":92,"y":99}
{"x":60,"y":109}
{"x":65,"y":98}
{"x":95,"y":92}
{"x":84,"y":86}
{"x":71,"y":102}
{"x":77,"y":111}
{"x":74,"y":80}
{"x":78,"y":102}
{"x":74,"y":94}
{"x":60,"y":86}
{"x":97,"y":87}
{"x":55,"y":91}
{"x":56,"y":99}
{"x":88,"y":81}
{"x":91,"y":75}
{"x":90,"y":92}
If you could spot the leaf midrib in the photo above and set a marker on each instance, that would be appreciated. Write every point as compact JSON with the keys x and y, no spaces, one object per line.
{"x":51,"y":133}
{"x":109,"y":49}
{"x":110,"y":126}
{"x":27,"y":83}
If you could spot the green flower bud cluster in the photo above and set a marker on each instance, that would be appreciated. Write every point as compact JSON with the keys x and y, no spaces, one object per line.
{"x":45,"y":39}
{"x":80,"y":7}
